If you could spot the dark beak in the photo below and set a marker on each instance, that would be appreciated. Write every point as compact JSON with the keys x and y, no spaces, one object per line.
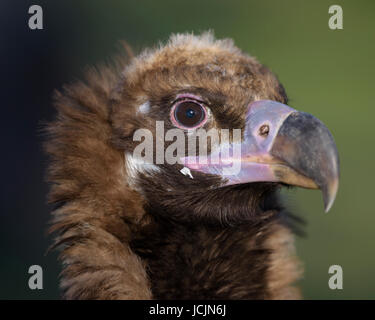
{"x":279,"y":144}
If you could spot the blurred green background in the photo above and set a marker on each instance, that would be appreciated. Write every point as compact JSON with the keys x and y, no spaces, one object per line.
{"x":329,"y":73}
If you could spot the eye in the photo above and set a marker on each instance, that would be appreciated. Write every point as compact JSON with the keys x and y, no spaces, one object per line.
{"x":188,"y":114}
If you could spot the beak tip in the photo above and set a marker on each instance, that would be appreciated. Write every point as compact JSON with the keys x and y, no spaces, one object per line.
{"x":328,"y":206}
{"x":329,"y":195}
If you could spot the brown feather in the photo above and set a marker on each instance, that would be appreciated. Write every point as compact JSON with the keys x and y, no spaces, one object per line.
{"x":121,"y":243}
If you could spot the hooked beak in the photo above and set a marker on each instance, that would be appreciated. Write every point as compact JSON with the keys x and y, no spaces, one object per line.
{"x":279,"y":144}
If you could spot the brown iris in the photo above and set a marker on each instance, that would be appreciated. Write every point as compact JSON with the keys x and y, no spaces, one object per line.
{"x":188,"y":114}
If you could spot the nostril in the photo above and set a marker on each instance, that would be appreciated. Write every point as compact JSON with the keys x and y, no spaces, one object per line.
{"x":264,"y":130}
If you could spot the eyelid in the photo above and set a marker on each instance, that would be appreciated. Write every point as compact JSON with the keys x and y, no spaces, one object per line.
{"x":188,"y":96}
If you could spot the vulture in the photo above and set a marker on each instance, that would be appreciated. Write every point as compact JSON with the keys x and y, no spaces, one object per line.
{"x":208,"y":225}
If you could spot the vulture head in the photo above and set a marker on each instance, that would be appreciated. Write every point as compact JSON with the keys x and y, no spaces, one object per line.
{"x":207,"y":134}
{"x":166,"y":173}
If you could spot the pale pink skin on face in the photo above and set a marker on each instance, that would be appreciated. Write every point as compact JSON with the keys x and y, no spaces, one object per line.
{"x":248,"y":164}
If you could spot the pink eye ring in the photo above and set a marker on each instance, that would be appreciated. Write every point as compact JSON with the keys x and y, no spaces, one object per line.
{"x":188,"y":114}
